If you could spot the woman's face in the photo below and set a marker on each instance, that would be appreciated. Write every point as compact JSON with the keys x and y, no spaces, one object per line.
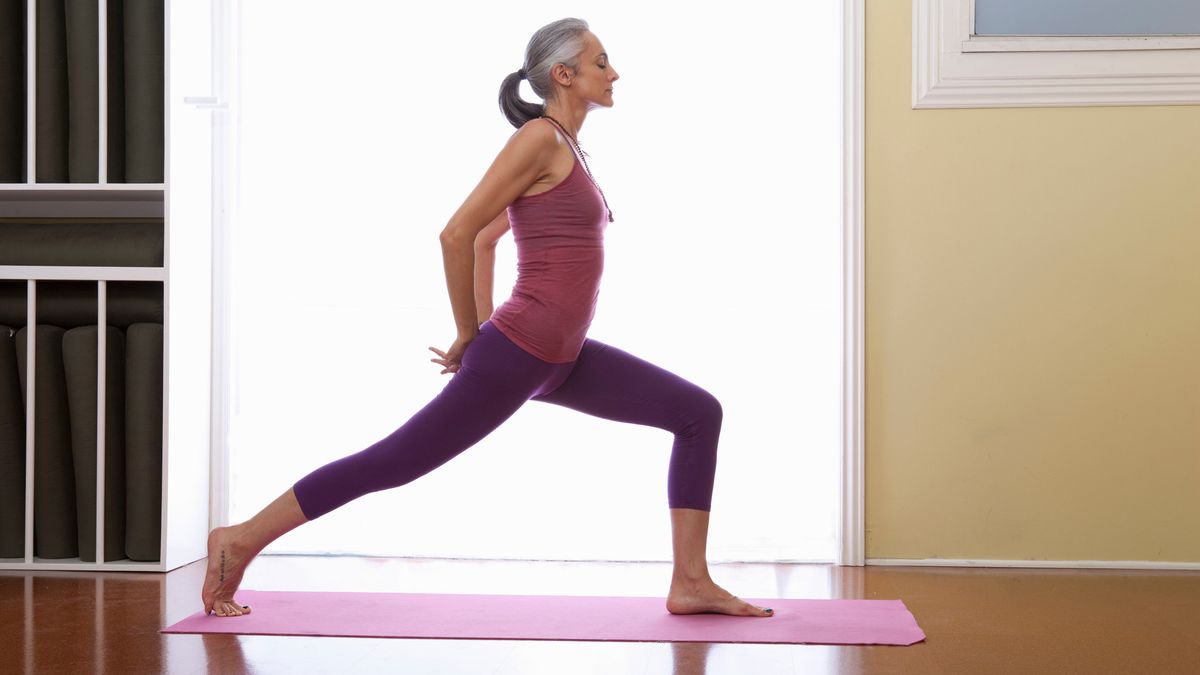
{"x":593,"y":80}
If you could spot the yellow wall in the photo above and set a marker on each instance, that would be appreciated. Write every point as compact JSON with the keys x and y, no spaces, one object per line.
{"x":1032,"y":324}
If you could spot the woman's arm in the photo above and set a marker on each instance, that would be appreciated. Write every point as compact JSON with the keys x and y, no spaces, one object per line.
{"x":485,"y":263}
{"x":522,"y":161}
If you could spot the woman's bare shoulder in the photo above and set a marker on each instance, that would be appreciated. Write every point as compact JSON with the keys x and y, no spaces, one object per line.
{"x":537,"y":132}
{"x":533,"y":146}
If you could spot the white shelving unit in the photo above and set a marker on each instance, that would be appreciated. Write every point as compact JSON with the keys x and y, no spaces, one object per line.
{"x":184,"y":200}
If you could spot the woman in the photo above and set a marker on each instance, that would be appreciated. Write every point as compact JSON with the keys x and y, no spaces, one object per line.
{"x":534,"y":346}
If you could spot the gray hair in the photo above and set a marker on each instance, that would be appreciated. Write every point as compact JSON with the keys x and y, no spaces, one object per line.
{"x":554,"y":43}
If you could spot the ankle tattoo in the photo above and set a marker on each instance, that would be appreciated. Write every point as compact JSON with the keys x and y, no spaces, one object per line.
{"x":222,"y":565}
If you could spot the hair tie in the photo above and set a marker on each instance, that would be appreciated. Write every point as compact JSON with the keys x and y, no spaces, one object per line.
{"x":521,"y":73}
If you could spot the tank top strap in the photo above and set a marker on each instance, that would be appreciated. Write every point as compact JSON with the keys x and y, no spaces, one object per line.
{"x":563,"y":131}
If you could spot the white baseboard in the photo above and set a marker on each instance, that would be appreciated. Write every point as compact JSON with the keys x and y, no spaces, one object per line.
{"x":1058,"y":564}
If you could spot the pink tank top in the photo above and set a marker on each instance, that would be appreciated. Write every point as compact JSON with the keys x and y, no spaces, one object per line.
{"x":560,"y":258}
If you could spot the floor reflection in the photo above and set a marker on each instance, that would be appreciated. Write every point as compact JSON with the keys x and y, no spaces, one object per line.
{"x":689,"y":658}
{"x":83,"y":622}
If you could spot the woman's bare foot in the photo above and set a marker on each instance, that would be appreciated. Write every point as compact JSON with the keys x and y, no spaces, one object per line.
{"x":226,"y":563}
{"x":696,"y":597}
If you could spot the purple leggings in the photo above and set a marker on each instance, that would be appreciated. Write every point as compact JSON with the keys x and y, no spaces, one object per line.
{"x":496,"y":378}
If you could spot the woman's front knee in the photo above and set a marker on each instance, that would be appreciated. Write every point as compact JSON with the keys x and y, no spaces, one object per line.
{"x":706,"y":410}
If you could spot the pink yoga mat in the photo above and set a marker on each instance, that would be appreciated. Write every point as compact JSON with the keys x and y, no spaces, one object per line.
{"x":556,"y":617}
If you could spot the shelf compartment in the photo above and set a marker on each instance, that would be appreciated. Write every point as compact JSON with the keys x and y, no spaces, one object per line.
{"x":82,"y":92}
{"x":93,"y":421}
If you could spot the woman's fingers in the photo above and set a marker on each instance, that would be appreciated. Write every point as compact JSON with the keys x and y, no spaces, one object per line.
{"x":450,"y":366}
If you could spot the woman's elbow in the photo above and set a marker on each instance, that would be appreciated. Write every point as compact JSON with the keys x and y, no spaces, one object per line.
{"x":484,"y":243}
{"x":490,"y":235}
{"x":451,"y":235}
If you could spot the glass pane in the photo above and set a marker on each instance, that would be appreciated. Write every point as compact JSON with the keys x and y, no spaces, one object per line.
{"x":1087,"y":17}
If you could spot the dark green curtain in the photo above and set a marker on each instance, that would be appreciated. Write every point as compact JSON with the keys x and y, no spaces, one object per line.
{"x":12,"y":449}
{"x":13,"y":64}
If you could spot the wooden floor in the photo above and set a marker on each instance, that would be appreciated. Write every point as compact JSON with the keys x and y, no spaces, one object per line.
{"x":977,"y":621}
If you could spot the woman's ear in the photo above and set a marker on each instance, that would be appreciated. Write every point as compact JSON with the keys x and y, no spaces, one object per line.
{"x":562,"y":74}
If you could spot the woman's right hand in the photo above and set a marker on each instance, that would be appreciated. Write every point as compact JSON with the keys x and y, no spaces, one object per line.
{"x":451,"y":359}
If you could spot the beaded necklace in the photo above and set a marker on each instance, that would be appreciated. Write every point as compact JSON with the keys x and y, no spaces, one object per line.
{"x":585,"y":165}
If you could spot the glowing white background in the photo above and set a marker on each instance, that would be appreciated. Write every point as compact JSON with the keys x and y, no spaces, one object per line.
{"x":363,"y":129}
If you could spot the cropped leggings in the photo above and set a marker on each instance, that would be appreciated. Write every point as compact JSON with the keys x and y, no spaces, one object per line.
{"x":495,"y":379}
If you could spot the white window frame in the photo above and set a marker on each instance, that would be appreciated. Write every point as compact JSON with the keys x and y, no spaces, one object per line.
{"x":954,"y":68}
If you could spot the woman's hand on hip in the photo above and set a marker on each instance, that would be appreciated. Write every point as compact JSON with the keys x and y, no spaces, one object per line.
{"x":451,"y":359}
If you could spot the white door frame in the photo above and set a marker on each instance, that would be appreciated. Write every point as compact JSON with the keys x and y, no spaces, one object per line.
{"x":851,"y":529}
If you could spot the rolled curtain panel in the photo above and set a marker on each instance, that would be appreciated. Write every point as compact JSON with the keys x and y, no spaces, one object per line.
{"x":54,"y":522}
{"x":12,"y":450}
{"x":143,"y":440}
{"x":86,"y":242}
{"x":144,"y":122}
{"x":116,"y":91}
{"x":73,"y":303}
{"x":13,"y":65}
{"x":51,"y":93}
{"x":83,"y":90}
{"x":79,"y":364}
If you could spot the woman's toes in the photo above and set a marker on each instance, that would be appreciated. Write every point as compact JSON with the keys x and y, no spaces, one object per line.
{"x":754,"y":610}
{"x":761,"y":611}
{"x":231,"y":609}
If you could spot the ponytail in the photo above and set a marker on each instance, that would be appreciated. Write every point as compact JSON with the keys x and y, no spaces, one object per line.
{"x":517,"y":110}
{"x":554,"y":43}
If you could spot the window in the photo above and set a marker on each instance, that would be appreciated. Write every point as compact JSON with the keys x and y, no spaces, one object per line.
{"x":957,"y":66}
{"x":339,"y":286}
